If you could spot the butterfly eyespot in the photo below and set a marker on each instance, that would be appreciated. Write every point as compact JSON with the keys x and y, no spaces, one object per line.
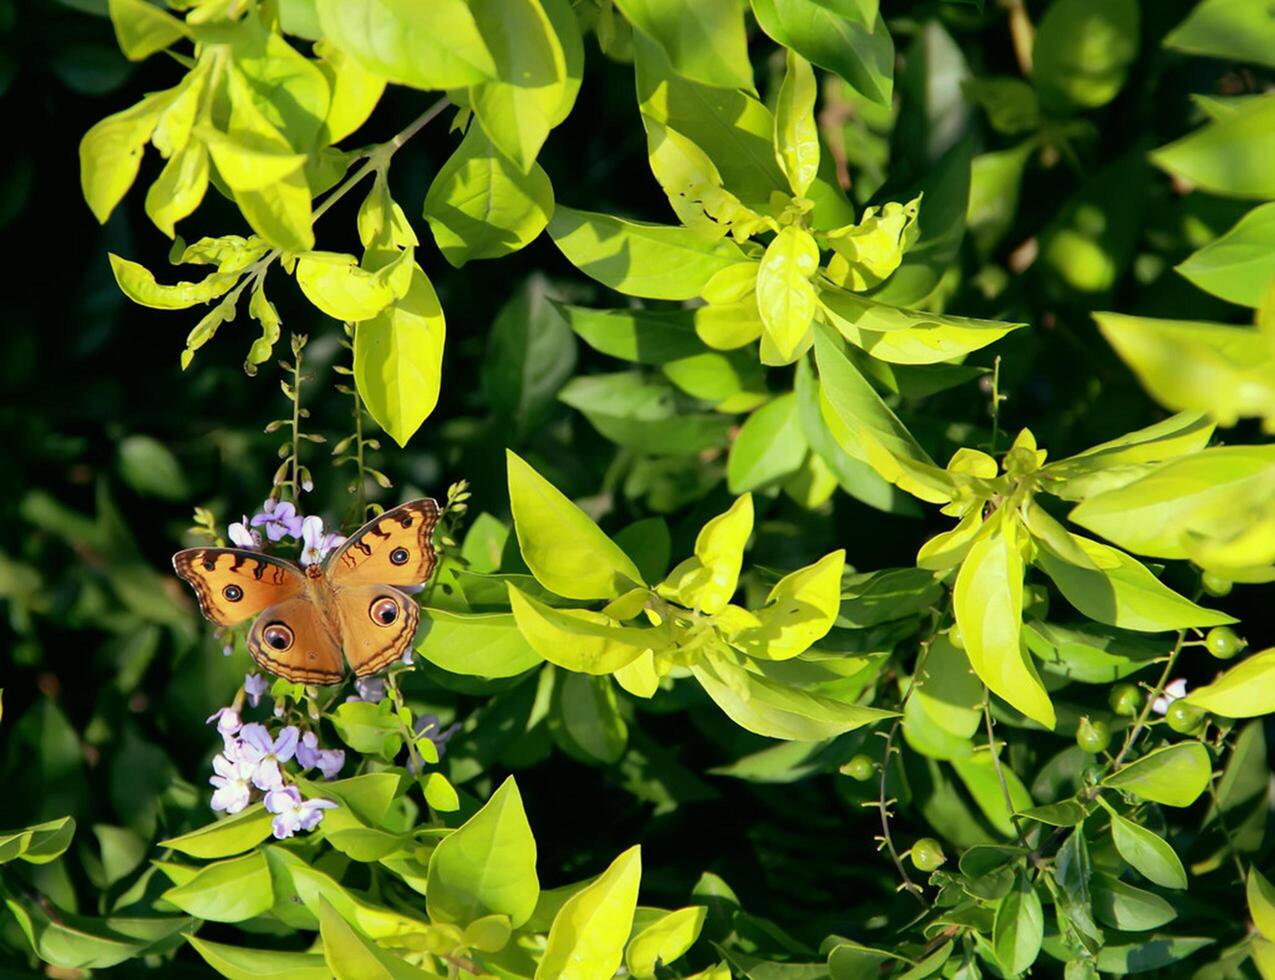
{"x":399,"y":556}
{"x":384,"y":610}
{"x":277,"y":636}
{"x":232,"y":593}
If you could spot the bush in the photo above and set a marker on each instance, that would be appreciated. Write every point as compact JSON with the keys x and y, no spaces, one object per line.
{"x":857,"y":509}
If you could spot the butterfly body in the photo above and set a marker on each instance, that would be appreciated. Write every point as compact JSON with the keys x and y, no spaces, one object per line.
{"x":310,"y":623}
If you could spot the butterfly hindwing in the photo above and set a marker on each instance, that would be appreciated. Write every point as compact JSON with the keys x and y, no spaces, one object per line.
{"x":292,"y":641}
{"x":396,"y":548}
{"x":378,"y":623}
{"x":233,"y":586}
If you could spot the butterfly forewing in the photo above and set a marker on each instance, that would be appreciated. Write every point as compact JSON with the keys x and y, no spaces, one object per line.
{"x":232,"y":585}
{"x":396,"y":548}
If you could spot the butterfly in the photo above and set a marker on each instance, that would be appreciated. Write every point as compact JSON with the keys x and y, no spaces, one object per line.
{"x":313,"y":621}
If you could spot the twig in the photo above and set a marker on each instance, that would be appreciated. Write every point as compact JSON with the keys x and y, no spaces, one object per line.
{"x":1000,"y":773}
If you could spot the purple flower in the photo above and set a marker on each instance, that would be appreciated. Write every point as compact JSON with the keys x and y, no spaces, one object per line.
{"x":242,"y":536}
{"x":232,"y":779}
{"x":407,"y":657}
{"x":254,"y":685}
{"x":292,"y":813}
{"x":279,"y":519}
{"x":328,"y":761}
{"x":428,"y":728}
{"x":227,"y":720}
{"x":1172,"y":691}
{"x":370,"y":689}
{"x":317,"y":544}
{"x":267,"y":754}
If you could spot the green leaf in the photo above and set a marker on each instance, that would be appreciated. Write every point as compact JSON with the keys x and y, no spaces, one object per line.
{"x":1199,"y":494}
{"x":1261,"y":901}
{"x":707,"y":581}
{"x":242,"y":963}
{"x":703,"y":41}
{"x":1118,"y":590}
{"x":770,"y":446}
{"x":950,"y":693}
{"x":586,"y":940}
{"x":368,"y":796}
{"x":479,"y":645}
{"x":588,"y":719}
{"x":988,"y":600}
{"x":978,"y":774}
{"x":1247,"y":690}
{"x":1092,"y":654}
{"x":641,"y":336}
{"x":76,"y":942}
{"x":141,"y":28}
{"x":370,"y":728}
{"x":1148,"y":854}
{"x":487,"y":866}
{"x":398,"y":359}
{"x":578,"y":639}
{"x":526,"y":100}
{"x":1230,"y":156}
{"x":435,"y":45}
{"x":639,"y":258}
{"x":355,"y":90}
{"x":481,"y":206}
{"x":799,"y":611}
{"x":868,"y":430}
{"x":634,"y":410}
{"x":565,"y":550}
{"x":664,"y":940}
{"x":785,"y":295}
{"x":849,"y":39}
{"x":1175,"y":775}
{"x":352,"y":956}
{"x":776,"y":710}
{"x":223,"y":838}
{"x":1019,"y":928}
{"x":904,"y":336}
{"x":1238,"y":266}
{"x":1083,"y":52}
{"x":1234,"y":30}
{"x":694,"y":186}
{"x":37,"y":844}
{"x":281,"y":213}
{"x":796,"y":134}
{"x":226,"y":891}
{"x":1123,"y":906}
{"x":733,"y":128}
{"x":1153,"y":953}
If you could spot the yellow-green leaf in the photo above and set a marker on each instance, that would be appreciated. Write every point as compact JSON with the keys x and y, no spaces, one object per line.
{"x":398,"y":359}
{"x":350,"y":955}
{"x":1261,"y":902}
{"x":111,"y":152}
{"x":988,"y":600}
{"x":796,"y":134}
{"x":1175,"y":775}
{"x":227,"y":891}
{"x":785,"y":295}
{"x":799,"y":611}
{"x":334,"y":283}
{"x":180,"y":187}
{"x":578,"y":639}
{"x":142,"y":28}
{"x":664,"y":940}
{"x":565,"y":550}
{"x":707,"y":581}
{"x":1247,"y":690}
{"x":586,"y":940}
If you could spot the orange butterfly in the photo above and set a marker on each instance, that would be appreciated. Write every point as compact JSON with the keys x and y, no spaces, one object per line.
{"x":350,"y":604}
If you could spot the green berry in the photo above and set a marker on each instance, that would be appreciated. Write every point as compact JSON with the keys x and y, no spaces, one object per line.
{"x":1186,"y":719}
{"x":1224,"y":643}
{"x":860,"y":768}
{"x":1093,"y":735}
{"x":1125,"y":700}
{"x":1215,"y":584}
{"x":954,"y":634}
{"x":927,"y":854}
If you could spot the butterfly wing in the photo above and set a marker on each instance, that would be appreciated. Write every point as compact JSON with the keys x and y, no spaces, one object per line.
{"x":396,"y":548}
{"x":292,"y":641}
{"x":378,"y":623}
{"x":233,"y":586}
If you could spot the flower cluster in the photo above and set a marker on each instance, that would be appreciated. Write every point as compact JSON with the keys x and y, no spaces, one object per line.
{"x":254,"y":760}
{"x":278,"y":519}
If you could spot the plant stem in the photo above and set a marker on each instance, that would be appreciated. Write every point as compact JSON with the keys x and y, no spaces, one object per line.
{"x":996,"y":764}
{"x":1140,"y":724}
{"x":296,"y":425}
{"x":1022,"y":34}
{"x":1242,"y":876}
{"x":996,"y":402}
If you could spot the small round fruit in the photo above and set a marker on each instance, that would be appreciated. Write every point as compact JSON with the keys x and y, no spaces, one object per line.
{"x":954,"y":634}
{"x":1223,"y":642}
{"x":1215,"y":584}
{"x":927,"y":854}
{"x":1125,"y":700}
{"x":1185,"y":719}
{"x":1093,"y":735}
{"x":860,"y":768}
